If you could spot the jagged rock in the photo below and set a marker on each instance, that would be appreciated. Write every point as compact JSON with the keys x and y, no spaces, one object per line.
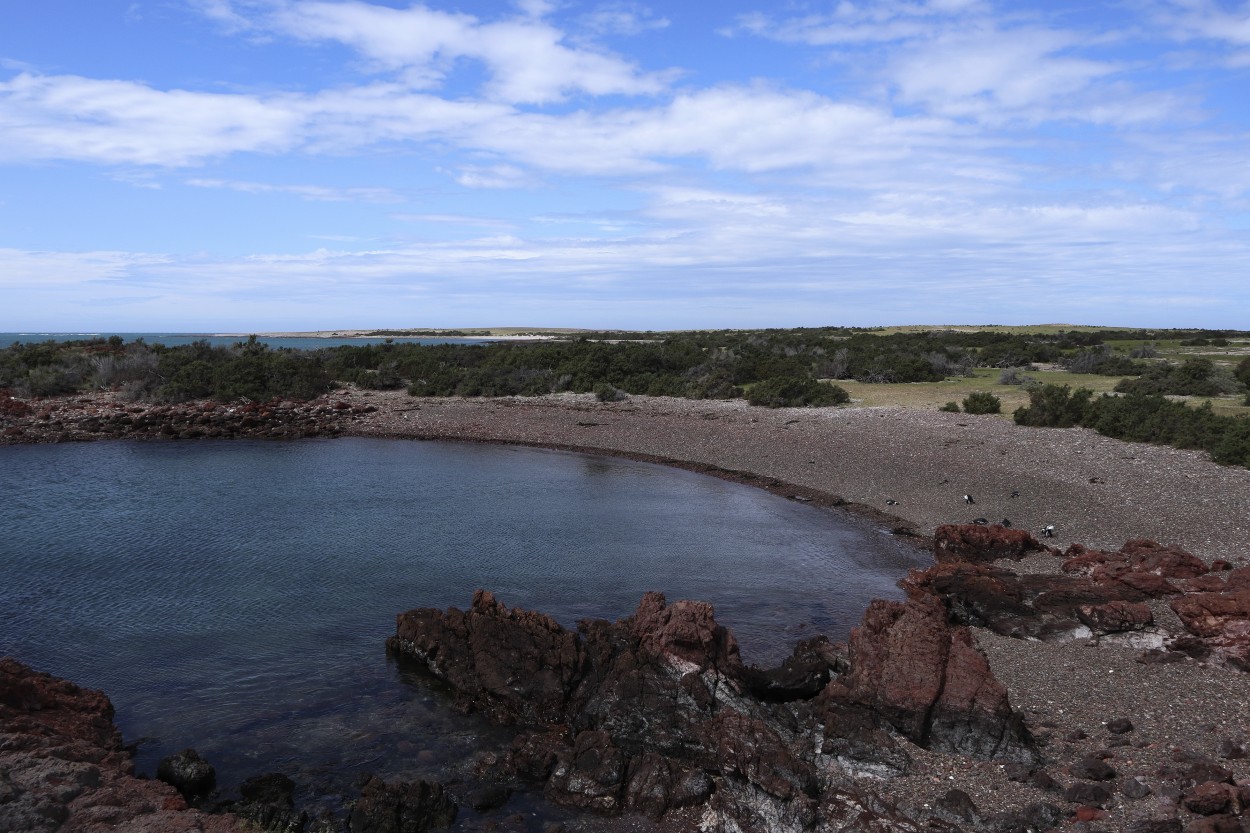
{"x":976,"y":543}
{"x":188,"y":773}
{"x":801,"y":676}
{"x":684,"y":630}
{"x":515,"y":665}
{"x":1120,"y":726}
{"x":589,"y":777}
{"x":1170,"y":562}
{"x":929,"y":681}
{"x":1116,"y":617}
{"x":1222,"y":621}
{"x":401,"y":808}
{"x":63,"y":766}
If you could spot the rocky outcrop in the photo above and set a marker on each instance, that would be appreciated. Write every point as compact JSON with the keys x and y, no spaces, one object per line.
{"x":1101,"y":594}
{"x":514,"y":665}
{"x":401,"y":808}
{"x":88,"y":418}
{"x":928,"y":680}
{"x":656,"y":712}
{"x":63,"y":766}
{"x":982,"y":543}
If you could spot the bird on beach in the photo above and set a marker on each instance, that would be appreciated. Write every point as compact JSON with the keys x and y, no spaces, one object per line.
{"x":1048,"y":531}
{"x":891,"y":502}
{"x":980,"y":521}
{"x":1015,"y":493}
{"x":968,"y":499}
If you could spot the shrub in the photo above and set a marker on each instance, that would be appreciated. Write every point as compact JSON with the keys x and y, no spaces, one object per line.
{"x":609,"y":393}
{"x":1013,"y":376}
{"x":788,"y":392}
{"x":1054,"y":406}
{"x":950,"y":407}
{"x":981,"y":402}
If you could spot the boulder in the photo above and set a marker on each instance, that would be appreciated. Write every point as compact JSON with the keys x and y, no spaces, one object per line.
{"x":515,"y":665}
{"x":978,"y":543}
{"x":928,"y":680}
{"x":401,"y":808}
{"x":188,"y":773}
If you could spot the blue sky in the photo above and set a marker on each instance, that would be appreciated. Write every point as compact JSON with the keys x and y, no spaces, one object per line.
{"x":225,"y":165}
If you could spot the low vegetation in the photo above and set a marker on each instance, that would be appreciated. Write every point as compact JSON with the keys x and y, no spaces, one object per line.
{"x":1115,"y":381}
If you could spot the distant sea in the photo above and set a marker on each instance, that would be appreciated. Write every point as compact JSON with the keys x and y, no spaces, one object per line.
{"x":177,"y":339}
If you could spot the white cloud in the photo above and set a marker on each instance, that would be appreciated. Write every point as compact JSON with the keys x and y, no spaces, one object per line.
{"x":69,"y":117}
{"x":527,"y":58}
{"x":314,"y":193}
{"x":622,"y":19}
{"x":492,"y":176}
{"x":992,"y":74}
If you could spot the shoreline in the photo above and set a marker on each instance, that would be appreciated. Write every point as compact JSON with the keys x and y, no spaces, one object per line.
{"x":855,"y":459}
{"x":1097,"y":491}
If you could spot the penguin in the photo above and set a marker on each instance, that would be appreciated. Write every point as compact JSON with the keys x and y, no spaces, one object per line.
{"x":968,"y":499}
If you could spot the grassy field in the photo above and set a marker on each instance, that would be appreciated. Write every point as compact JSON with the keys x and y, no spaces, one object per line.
{"x":933,"y":395}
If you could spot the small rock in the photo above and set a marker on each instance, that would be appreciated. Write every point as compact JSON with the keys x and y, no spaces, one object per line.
{"x":959,"y":805}
{"x":1231,"y":749}
{"x":188,"y":773}
{"x":1120,"y":726}
{"x":1134,"y":788}
{"x":1092,"y":768}
{"x":1096,"y":795}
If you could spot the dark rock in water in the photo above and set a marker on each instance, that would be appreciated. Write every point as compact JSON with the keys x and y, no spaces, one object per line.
{"x":929,"y":681}
{"x":273,"y":788}
{"x":980,"y":543}
{"x":590,"y":776}
{"x":656,"y":712}
{"x":514,"y":665}
{"x":63,"y":765}
{"x":489,"y":797}
{"x":268,"y":803}
{"x":188,"y":773}
{"x":401,"y":808}
{"x":800,"y":677}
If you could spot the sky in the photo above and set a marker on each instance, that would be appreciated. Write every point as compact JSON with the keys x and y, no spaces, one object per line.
{"x":239,"y":165}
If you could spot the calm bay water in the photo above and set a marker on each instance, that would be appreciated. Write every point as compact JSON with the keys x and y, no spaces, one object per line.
{"x":235,"y":596}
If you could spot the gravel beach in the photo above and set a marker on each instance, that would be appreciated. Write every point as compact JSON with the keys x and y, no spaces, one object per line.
{"x":1096,"y":491}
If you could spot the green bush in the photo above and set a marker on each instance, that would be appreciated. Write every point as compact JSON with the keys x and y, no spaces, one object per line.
{"x":786,"y":392}
{"x":981,"y":402}
{"x":609,"y":393}
{"x":1054,"y":406}
{"x":950,"y":407}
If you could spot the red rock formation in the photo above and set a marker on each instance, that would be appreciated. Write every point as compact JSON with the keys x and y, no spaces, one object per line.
{"x":63,"y":766}
{"x":928,"y":680}
{"x":979,"y":544}
{"x":515,"y":665}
